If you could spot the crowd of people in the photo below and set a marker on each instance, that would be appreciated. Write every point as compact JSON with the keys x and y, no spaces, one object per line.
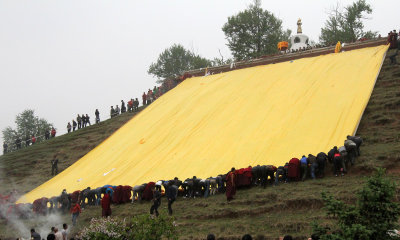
{"x":310,"y":167}
{"x":393,"y":40}
{"x":29,"y":140}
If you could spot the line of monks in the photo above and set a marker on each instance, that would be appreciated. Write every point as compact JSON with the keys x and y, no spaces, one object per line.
{"x":295,"y":170}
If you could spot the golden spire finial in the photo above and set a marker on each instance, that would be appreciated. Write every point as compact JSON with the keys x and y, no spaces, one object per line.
{"x":299,"y":26}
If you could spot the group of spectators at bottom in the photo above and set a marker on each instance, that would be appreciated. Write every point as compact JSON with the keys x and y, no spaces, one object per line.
{"x":54,"y":234}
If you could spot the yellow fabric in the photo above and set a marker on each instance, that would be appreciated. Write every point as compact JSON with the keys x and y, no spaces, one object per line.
{"x":206,"y":125}
{"x":338,"y":47}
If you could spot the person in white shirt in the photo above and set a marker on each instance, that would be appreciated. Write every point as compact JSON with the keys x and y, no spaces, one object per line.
{"x":58,"y":234}
{"x":64,"y":231}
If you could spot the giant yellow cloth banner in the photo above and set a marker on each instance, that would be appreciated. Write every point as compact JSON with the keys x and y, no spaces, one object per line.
{"x":206,"y":125}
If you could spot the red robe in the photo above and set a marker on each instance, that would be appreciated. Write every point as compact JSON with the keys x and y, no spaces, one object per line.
{"x":230,"y":186}
{"x":106,"y":205}
{"x":147,"y":193}
{"x":126,"y":194}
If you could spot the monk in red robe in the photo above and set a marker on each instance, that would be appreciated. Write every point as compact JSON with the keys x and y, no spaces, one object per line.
{"x":106,"y":205}
{"x":230,"y":185}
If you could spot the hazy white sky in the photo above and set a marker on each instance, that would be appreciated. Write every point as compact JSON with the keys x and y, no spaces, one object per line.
{"x":63,"y":58}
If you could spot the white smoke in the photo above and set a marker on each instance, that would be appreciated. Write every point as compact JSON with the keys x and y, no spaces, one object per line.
{"x":15,"y":227}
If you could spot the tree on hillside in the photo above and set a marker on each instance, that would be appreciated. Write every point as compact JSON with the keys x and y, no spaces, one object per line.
{"x":374,"y":215}
{"x":254,"y":32}
{"x":347,"y":25}
{"x":173,"y":61}
{"x":27,"y":125}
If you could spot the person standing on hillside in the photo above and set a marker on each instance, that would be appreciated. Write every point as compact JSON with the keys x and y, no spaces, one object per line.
{"x":74,"y":124}
{"x":304,"y":167}
{"x":136,"y":105}
{"x":83,"y":120}
{"x":123,"y":108}
{"x":149,"y":96}
{"x":97,"y":114}
{"x":171,"y":195}
{"x":155,"y":93}
{"x":130,"y":105}
{"x":47,"y":134}
{"x":53,"y":132}
{"x":88,"y":119}
{"x":144,"y":98}
{"x":117,"y":110}
{"x":156,"y":201}
{"x":33,"y":139}
{"x":69,"y":127}
{"x":75,"y":210}
{"x":79,"y":121}
{"x":230,"y":185}
{"x":106,"y":205}
{"x":5,"y":148}
{"x":54,"y":165}
{"x":112,"y":112}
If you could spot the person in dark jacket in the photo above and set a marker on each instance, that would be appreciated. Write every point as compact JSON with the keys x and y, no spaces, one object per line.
{"x":69,"y":127}
{"x":88,"y":119}
{"x":79,"y":121}
{"x":74,"y":124}
{"x":54,"y":166}
{"x":136,"y":105}
{"x":97,"y":114}
{"x":83,"y":118}
{"x":47,"y":134}
{"x":156,"y":201}
{"x":337,"y":164}
{"x":171,"y":195}
{"x":35,"y":235}
{"x":123,"y":108}
{"x":321,"y":160}
{"x":358,"y":141}
{"x":280,"y":171}
{"x":112,"y":112}
{"x":331,"y":153}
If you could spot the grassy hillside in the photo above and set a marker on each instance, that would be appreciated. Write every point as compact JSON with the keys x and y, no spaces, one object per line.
{"x":271,"y":212}
{"x":380,"y":124}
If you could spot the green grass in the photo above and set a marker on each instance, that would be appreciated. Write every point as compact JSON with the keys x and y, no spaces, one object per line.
{"x":271,"y":212}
